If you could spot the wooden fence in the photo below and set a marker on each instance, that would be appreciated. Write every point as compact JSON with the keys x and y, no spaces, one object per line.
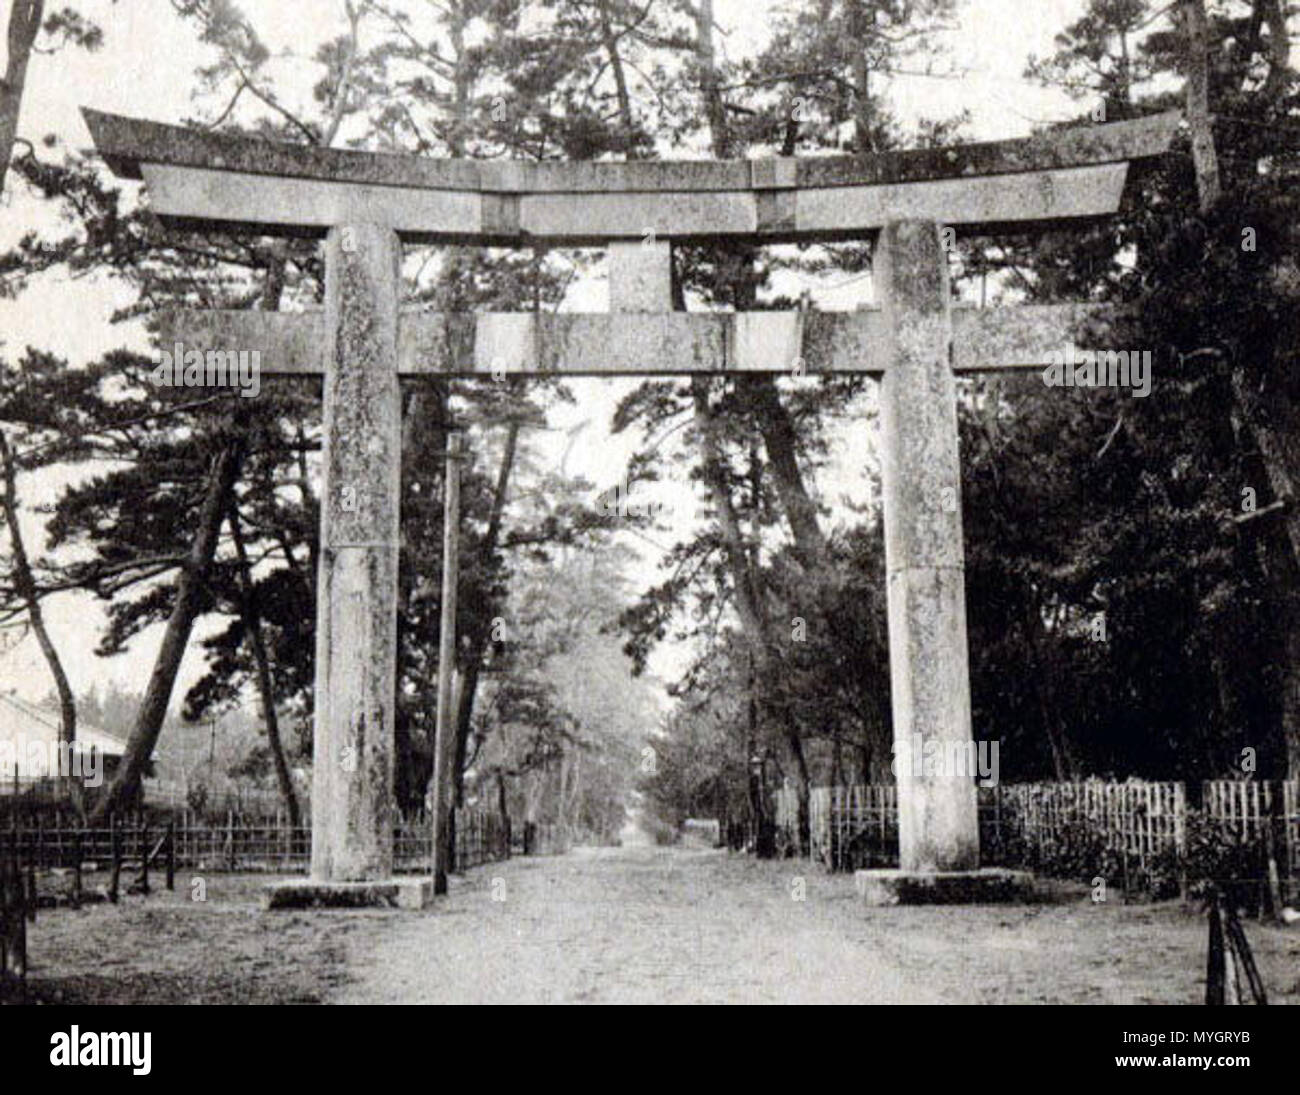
{"x":851,"y":827}
{"x":1134,"y":823}
{"x":536,"y":838}
{"x":1259,"y":812}
{"x":788,"y":839}
{"x":1136,"y":827}
{"x":23,"y":793}
{"x":235,"y":842}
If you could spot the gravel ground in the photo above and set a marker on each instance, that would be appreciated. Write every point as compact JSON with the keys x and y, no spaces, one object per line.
{"x":633,"y":925}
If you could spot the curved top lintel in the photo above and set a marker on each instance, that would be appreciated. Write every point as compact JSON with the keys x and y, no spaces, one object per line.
{"x":126,"y":143}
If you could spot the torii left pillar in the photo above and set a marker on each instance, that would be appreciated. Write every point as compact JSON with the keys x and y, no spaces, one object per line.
{"x":356,"y":627}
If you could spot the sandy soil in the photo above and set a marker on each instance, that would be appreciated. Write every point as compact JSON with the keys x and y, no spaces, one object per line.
{"x":631,"y":926}
{"x":635,"y":925}
{"x":640,"y":925}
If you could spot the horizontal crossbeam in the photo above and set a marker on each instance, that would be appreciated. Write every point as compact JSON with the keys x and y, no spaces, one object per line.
{"x":667,"y":343}
{"x":247,"y":184}
{"x":192,"y":197}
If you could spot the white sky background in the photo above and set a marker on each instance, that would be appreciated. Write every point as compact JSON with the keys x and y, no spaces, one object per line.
{"x":145,"y":69}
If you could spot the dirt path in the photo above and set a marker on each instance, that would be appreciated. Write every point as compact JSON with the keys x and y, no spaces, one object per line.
{"x":636,"y":925}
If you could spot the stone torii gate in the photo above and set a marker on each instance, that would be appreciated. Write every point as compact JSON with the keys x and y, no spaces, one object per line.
{"x":366,"y":205}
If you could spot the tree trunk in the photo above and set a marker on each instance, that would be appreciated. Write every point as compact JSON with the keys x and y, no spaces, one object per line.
{"x":748,"y":599}
{"x":780,"y":441}
{"x":1272,"y":425}
{"x":735,"y":280}
{"x":810,"y":544}
{"x":862,"y":113}
{"x":802,"y":784}
{"x":1064,"y":764}
{"x":257,"y":647}
{"x":1291,"y":687}
{"x":24,"y":25}
{"x":25,"y":584}
{"x":764,"y":830}
{"x":153,"y":708}
{"x":714,"y":109}
{"x":1279,"y":45}
{"x":610,"y":43}
{"x":481,"y":631}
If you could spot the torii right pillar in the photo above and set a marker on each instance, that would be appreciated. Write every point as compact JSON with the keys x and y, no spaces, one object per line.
{"x":938,"y":816}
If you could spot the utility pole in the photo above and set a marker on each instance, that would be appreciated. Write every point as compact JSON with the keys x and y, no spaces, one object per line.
{"x":444,"y":747}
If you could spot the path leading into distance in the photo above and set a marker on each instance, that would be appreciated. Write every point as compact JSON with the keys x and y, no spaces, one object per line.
{"x":636,"y":925}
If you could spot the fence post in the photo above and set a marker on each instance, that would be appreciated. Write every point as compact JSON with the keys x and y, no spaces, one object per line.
{"x":13,"y":925}
{"x":171,"y":854}
{"x":1291,"y":821}
{"x":230,"y":837}
{"x":6,"y":860}
{"x":76,"y":867}
{"x":1272,"y":815}
{"x":144,"y":855}
{"x":115,"y":850}
{"x":1180,"y":837}
{"x":17,"y":862}
{"x":31,"y":874}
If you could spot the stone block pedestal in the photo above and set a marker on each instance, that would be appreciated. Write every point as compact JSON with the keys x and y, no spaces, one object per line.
{"x":389,"y":893}
{"x":986,"y":886}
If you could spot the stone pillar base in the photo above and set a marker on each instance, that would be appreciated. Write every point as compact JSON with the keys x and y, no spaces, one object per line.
{"x":390,"y":893}
{"x":988,"y":885}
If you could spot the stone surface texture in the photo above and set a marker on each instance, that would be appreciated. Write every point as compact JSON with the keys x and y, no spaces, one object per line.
{"x":640,"y":276}
{"x":391,"y":893}
{"x":356,"y":635}
{"x":930,"y":683}
{"x":248,"y":184}
{"x":647,"y":343}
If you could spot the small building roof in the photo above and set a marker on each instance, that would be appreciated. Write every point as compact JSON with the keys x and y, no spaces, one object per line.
{"x":20,"y":719}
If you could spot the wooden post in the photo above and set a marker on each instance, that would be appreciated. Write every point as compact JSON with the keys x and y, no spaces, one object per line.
{"x":356,"y":644}
{"x":230,"y":838}
{"x":1215,"y":971}
{"x":444,"y":746}
{"x":33,"y":852}
{"x":144,"y":854}
{"x":76,"y":868}
{"x":13,"y":923}
{"x":115,"y":850}
{"x":171,"y":854}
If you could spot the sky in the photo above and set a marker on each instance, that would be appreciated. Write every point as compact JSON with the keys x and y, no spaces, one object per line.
{"x":145,"y":69}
